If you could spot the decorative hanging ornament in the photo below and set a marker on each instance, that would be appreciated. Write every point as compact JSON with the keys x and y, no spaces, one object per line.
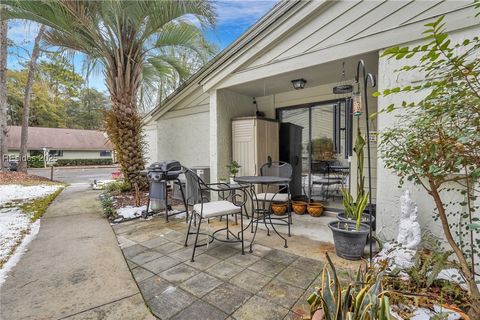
{"x":343,"y":87}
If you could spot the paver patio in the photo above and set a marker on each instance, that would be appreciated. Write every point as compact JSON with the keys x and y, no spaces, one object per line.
{"x":221,"y":283}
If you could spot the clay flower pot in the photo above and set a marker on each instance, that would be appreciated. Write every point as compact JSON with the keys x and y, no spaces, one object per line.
{"x":279,"y":208}
{"x":299,"y":207}
{"x":315,"y":209}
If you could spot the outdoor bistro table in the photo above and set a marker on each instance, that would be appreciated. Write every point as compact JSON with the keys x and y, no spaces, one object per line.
{"x":252,"y":181}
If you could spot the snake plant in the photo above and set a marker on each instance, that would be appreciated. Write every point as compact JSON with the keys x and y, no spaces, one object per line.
{"x":362,"y":300}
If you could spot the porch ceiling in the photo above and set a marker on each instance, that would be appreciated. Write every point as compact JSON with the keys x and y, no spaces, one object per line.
{"x":318,"y":75}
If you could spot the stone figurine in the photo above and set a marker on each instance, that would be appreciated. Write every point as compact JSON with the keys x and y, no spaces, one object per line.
{"x":400,"y":253}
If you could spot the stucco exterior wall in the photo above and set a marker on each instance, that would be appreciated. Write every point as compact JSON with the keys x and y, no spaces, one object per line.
{"x":388,"y":211}
{"x":225,"y":105}
{"x":151,"y":140}
{"x":185,"y":139}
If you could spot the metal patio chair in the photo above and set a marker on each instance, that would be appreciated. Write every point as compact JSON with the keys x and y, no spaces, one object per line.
{"x":267,"y":197}
{"x":232,"y":201}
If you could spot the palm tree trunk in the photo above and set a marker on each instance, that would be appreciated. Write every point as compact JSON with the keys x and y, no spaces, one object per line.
{"x":3,"y":90}
{"x":22,"y":164}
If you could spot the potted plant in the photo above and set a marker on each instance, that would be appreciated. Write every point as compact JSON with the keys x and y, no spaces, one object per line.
{"x":356,"y":208}
{"x":233,"y":169}
{"x":322,"y":148}
{"x":350,"y":234}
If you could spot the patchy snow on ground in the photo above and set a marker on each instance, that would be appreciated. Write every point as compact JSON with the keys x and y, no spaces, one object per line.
{"x":16,"y":227}
{"x":130,"y":212}
{"x":21,"y":249}
{"x":17,"y":192}
{"x":14,"y":224}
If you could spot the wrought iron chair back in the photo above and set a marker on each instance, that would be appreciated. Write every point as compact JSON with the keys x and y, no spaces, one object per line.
{"x":277,"y":169}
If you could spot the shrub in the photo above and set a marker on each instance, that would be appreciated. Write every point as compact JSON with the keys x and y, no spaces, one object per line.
{"x":82,"y":162}
{"x":35,"y":162}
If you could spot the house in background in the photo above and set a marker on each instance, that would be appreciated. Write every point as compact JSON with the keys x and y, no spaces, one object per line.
{"x":309,"y":40}
{"x":64,"y":144}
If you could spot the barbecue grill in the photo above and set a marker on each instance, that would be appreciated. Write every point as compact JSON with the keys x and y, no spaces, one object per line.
{"x":159,"y":174}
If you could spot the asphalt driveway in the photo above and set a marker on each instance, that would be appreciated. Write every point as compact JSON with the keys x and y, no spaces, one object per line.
{"x":76,"y":174}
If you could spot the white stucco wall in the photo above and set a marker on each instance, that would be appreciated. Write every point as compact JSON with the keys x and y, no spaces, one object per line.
{"x":388,"y":200}
{"x":185,"y":139}
{"x":225,"y":105}
{"x":150,"y":132}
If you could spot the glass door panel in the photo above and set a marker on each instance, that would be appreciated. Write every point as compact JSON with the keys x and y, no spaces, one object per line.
{"x":324,"y":151}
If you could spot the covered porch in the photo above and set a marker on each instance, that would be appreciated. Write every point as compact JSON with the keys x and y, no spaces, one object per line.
{"x":322,"y":162}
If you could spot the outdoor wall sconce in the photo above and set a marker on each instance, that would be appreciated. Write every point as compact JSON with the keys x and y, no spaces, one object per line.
{"x":299,"y":84}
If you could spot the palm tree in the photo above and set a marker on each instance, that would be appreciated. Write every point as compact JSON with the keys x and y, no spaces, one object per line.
{"x":131,"y":41}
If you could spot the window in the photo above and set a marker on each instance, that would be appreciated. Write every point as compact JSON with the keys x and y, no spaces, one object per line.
{"x":55,"y":153}
{"x":106,"y":153}
{"x":34,"y":153}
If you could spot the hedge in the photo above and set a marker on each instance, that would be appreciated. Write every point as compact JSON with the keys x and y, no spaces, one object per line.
{"x":82,"y":162}
{"x":35,"y":162}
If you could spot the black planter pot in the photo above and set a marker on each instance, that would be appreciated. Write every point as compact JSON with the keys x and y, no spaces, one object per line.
{"x":349,"y":243}
{"x":365,"y":219}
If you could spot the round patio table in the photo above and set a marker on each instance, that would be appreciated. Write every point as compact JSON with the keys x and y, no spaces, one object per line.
{"x":262,"y":180}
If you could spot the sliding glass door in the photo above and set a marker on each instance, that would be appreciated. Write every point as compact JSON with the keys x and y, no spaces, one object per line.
{"x":325,"y":148}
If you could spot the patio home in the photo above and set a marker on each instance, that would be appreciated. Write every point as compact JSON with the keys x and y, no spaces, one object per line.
{"x":315,"y":42}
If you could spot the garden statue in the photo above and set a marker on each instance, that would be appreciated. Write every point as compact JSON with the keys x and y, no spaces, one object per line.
{"x":401,"y":253}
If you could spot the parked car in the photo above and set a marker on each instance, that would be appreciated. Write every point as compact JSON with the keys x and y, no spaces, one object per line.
{"x":13,"y":165}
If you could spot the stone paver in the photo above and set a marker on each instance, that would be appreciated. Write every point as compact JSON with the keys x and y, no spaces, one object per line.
{"x":178,"y":274}
{"x":243,"y":260}
{"x":224,"y":270}
{"x":160,"y":264}
{"x":170,"y":301}
{"x":228,"y":297}
{"x":267,"y":267}
{"x":250,"y":280}
{"x":260,"y":308}
{"x":168,"y":247}
{"x":281,"y":256}
{"x":281,"y":293}
{"x":297,"y":277}
{"x":145,"y":256}
{"x":155,"y":242}
{"x":141,"y":274}
{"x":201,"y":310}
{"x":201,"y":284}
{"x":203,"y":261}
{"x":221,"y":283}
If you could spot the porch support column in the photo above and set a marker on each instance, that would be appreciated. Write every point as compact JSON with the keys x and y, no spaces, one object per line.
{"x":225,"y":105}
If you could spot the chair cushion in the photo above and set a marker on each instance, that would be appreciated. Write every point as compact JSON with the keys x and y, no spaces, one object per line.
{"x":283,"y":197}
{"x":216,"y":208}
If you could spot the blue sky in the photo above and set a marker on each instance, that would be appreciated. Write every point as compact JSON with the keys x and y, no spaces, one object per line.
{"x":234,"y":17}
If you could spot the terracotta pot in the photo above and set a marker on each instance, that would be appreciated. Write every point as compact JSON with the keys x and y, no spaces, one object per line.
{"x":279,"y":208}
{"x":299,"y":207}
{"x":315,"y":209}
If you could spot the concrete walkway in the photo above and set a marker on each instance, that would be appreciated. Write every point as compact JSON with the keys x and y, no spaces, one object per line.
{"x":74,"y":268}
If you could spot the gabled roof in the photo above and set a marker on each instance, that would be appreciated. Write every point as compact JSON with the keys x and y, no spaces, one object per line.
{"x":59,"y":139}
{"x":269,"y":18}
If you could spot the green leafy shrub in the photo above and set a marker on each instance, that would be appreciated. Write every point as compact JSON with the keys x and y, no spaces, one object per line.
{"x":107,"y":205}
{"x":83,"y":162}
{"x":118,"y":186}
{"x":35,"y":162}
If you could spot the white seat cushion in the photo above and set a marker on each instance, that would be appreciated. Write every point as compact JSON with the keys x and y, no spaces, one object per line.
{"x":282,"y":197}
{"x":216,"y":208}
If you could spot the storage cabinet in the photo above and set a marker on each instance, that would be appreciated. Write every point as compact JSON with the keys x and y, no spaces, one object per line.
{"x":254,"y":141}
